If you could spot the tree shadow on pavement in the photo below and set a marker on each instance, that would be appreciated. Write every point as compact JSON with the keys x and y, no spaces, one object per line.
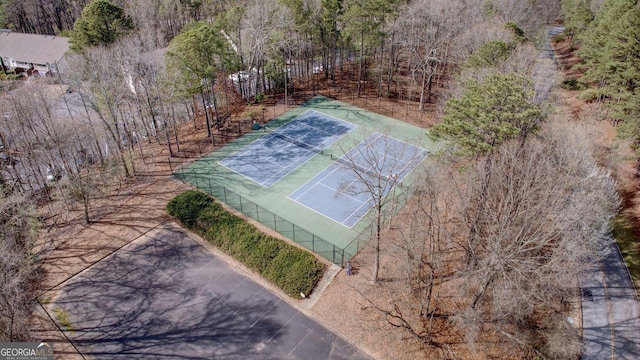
{"x":141,"y":303}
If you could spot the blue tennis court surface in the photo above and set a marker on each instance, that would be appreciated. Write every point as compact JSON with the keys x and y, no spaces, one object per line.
{"x":278,"y":153}
{"x":345,"y":191}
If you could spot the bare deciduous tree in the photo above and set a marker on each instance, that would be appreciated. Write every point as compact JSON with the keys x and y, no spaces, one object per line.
{"x":539,"y":213}
{"x":419,"y":247}
{"x":426,"y":29}
{"x":377,"y":165}
{"x":17,"y":268}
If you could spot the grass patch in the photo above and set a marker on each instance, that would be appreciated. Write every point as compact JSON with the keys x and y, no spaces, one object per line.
{"x":625,"y":235}
{"x":63,"y":320}
{"x":290,"y":268}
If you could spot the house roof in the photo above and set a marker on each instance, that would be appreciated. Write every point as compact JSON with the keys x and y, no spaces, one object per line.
{"x":32,"y":48}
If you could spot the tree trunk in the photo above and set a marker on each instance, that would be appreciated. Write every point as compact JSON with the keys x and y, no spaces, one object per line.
{"x":175,"y":126}
{"x":85,"y":203}
{"x":376,"y":263}
{"x":361,"y":60}
{"x":95,"y":135}
{"x":206,"y":116}
{"x":423,"y":89}
{"x":215,"y":105}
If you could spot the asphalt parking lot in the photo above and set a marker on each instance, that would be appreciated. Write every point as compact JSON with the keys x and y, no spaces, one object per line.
{"x":164,"y":296}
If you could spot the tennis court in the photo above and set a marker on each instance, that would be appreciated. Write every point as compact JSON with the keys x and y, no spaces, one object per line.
{"x":272,"y":157}
{"x":297,"y":175}
{"x":348,"y":189}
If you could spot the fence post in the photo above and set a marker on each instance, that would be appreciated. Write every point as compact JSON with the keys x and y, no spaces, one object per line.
{"x":257,"y":213}
{"x":241,"y":204}
{"x":195,"y":174}
{"x":224,"y":191}
{"x":275,"y":223}
{"x":210,"y":190}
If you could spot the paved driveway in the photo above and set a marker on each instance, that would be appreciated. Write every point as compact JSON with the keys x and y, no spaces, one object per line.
{"x":164,"y":296}
{"x":610,"y":311}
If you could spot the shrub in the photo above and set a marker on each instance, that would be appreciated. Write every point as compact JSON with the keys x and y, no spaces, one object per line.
{"x":187,"y":206}
{"x":516,"y":30}
{"x":590,"y":95}
{"x":292,"y":269}
{"x":491,"y":53}
{"x":573,"y":84}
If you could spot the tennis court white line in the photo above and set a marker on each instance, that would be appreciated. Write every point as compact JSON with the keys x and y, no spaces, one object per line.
{"x":260,"y":143}
{"x":294,"y":168}
{"x":331,"y":116}
{"x":245,"y":148}
{"x":368,"y":142}
{"x":317,"y":212}
{"x":322,"y":214}
{"x":335,"y":191}
{"x":348,"y":125}
{"x":284,"y":167}
{"x":344,"y":194}
{"x":263,"y":182}
{"x":261,"y":140}
{"x":243,"y":175}
{"x":310,"y":180}
{"x":361,"y":216}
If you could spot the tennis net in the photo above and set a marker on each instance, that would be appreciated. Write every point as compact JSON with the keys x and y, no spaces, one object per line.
{"x":298,"y":143}
{"x":349,"y":164}
{"x":340,"y":159}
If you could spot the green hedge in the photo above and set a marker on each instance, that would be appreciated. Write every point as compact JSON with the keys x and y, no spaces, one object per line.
{"x":292,"y":269}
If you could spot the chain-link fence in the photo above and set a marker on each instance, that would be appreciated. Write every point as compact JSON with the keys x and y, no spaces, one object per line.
{"x":335,"y":254}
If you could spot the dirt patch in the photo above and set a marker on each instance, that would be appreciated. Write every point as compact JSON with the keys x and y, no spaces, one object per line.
{"x":567,"y":57}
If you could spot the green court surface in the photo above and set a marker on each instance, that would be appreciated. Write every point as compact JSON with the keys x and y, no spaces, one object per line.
{"x":271,"y":205}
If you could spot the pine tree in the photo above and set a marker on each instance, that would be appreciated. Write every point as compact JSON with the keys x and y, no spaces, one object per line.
{"x":621,"y":75}
{"x":598,"y":36}
{"x":577,"y":16}
{"x":101,"y":23}
{"x":490,"y":112}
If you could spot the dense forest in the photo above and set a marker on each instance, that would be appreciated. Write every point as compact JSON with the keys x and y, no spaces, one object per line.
{"x":505,"y":219}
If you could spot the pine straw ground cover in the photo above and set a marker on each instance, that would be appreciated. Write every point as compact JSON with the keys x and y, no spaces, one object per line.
{"x":127,"y":209}
{"x":367,"y":312}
